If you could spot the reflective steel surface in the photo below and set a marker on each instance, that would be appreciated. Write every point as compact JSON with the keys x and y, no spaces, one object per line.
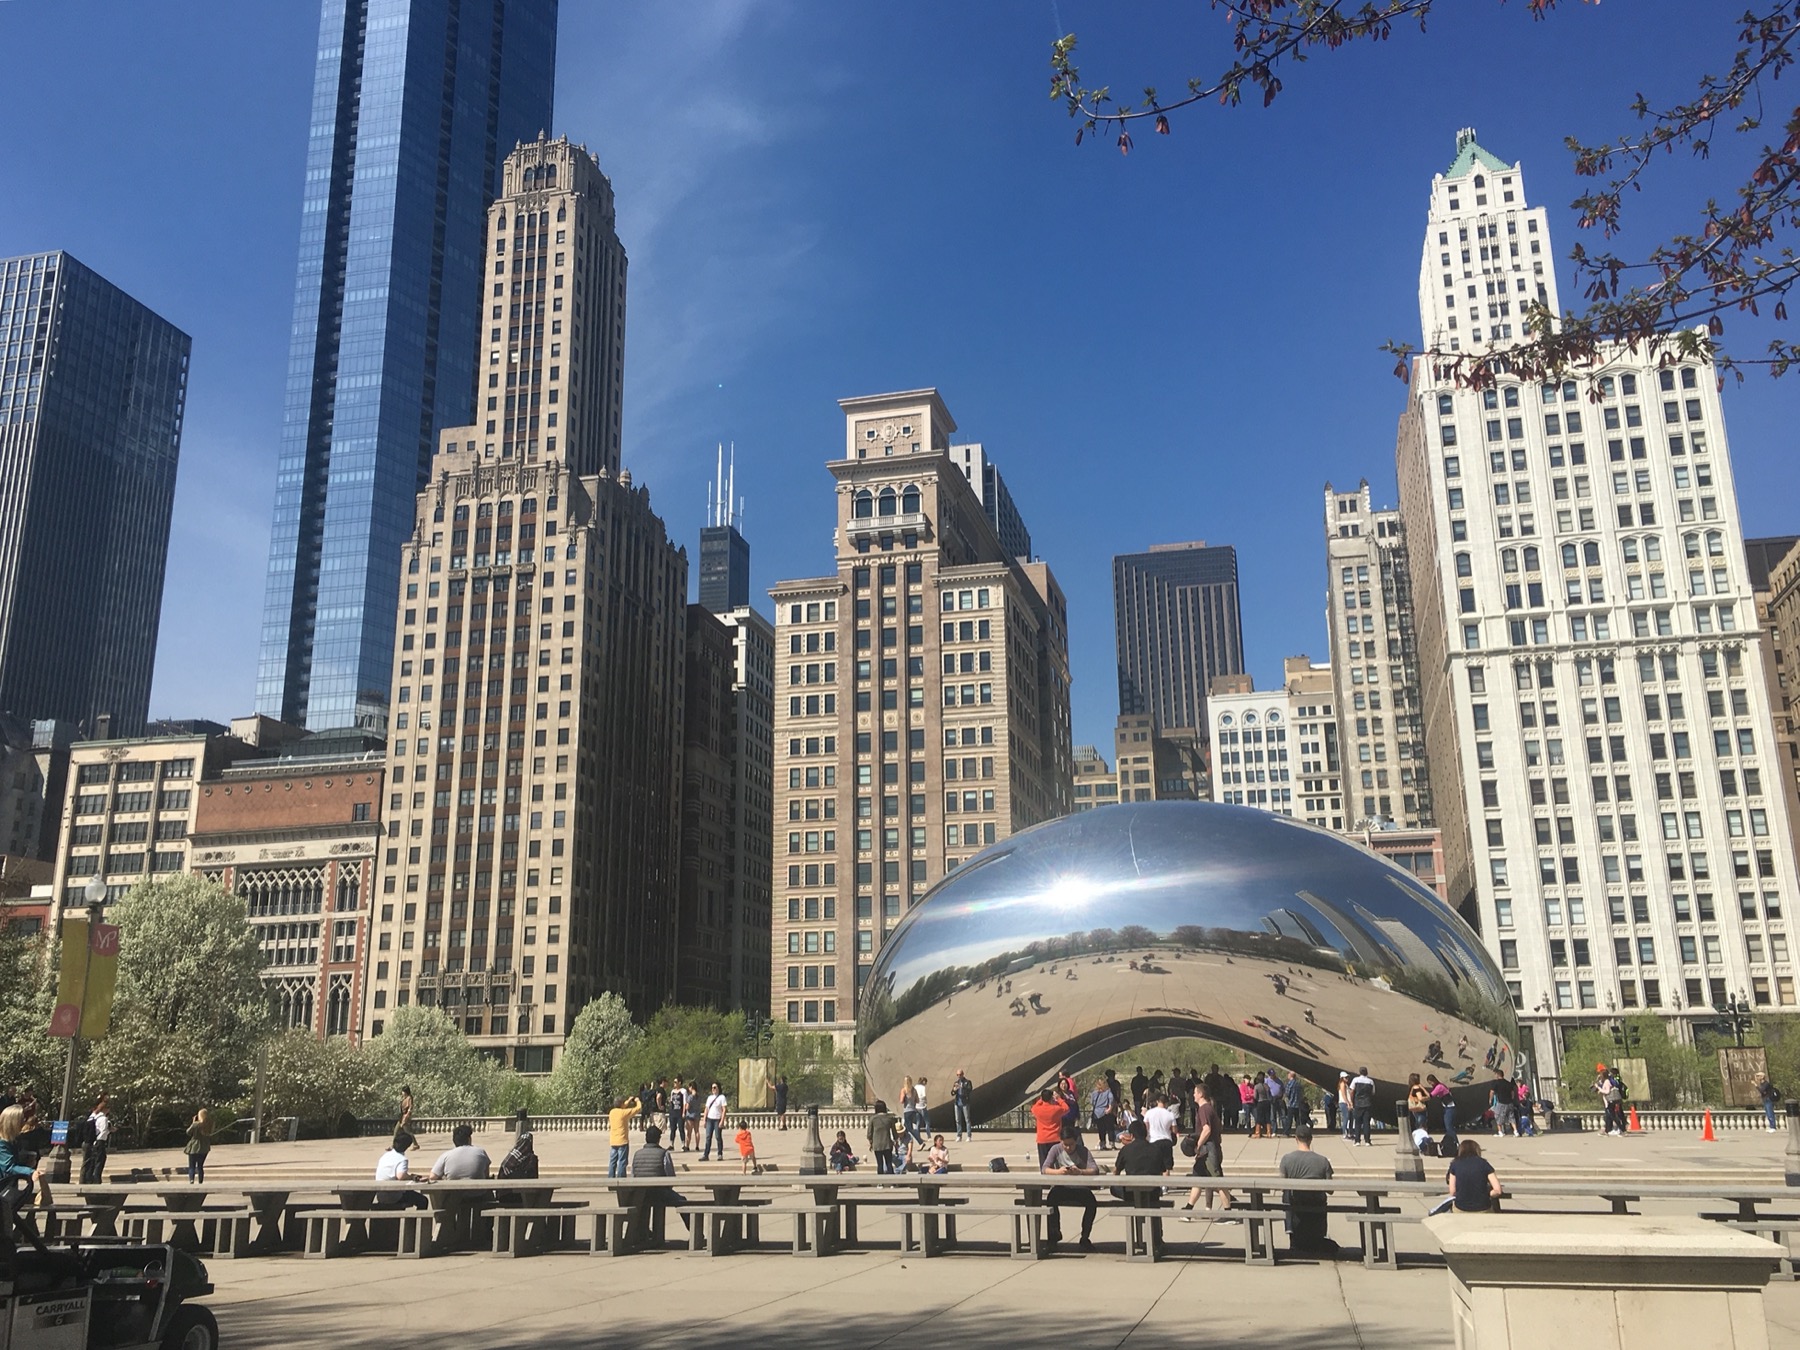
{"x":1085,"y":936}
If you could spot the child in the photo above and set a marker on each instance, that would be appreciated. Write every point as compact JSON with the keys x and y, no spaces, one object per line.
{"x":747,"y":1148}
{"x":842,"y":1159}
{"x":938,"y":1159}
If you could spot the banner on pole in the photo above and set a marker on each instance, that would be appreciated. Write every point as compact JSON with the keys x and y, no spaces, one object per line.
{"x":85,"y":984}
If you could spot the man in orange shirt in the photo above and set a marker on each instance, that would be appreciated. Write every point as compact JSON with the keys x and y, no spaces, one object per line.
{"x":1048,"y":1111}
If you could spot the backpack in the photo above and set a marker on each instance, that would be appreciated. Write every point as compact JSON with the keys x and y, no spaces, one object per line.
{"x":1362,"y":1095}
{"x":81,"y":1132}
{"x":997,"y":1164}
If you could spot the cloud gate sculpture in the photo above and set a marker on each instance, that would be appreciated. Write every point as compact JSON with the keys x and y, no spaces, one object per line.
{"x":1080,"y":938}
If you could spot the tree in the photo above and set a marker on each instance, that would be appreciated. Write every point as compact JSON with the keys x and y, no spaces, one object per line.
{"x":1680,"y":1074}
{"x":29,"y":1056}
{"x":422,"y":1048}
{"x":816,"y":1070}
{"x":699,"y":1045}
{"x":190,"y":1008}
{"x":1674,"y":301}
{"x":588,"y":1078}
{"x":318,"y":1081}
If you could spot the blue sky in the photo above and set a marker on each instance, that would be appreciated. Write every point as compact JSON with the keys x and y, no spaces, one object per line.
{"x":821,"y":200}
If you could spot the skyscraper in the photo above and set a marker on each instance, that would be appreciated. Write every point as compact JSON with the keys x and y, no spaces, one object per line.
{"x":1375,"y":660}
{"x":92,"y":390}
{"x":536,"y":753}
{"x":924,"y":710}
{"x":1177,"y":625}
{"x":996,"y":499}
{"x":724,"y":554}
{"x":1594,"y":699}
{"x":415,"y":104}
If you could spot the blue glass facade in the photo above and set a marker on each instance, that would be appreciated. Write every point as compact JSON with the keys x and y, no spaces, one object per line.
{"x":415,"y":105}
{"x":92,"y":390}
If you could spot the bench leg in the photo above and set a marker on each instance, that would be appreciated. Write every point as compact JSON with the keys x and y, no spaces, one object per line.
{"x":1259,"y":1240}
{"x":1378,"y":1244}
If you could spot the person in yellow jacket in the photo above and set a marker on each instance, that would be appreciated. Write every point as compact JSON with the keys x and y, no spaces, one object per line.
{"x":618,"y":1121}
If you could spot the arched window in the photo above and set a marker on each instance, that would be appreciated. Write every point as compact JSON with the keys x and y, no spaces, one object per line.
{"x":1463,"y":567}
{"x":1629,"y":548}
{"x":887,"y":503}
{"x":1690,"y":545}
{"x":1509,"y":560}
{"x":1715,"y":544}
{"x":863,"y":506}
{"x":1569,"y":556}
{"x":1531,"y":559}
{"x":909,"y":500}
{"x":1652,"y":548}
{"x":1590,"y":554}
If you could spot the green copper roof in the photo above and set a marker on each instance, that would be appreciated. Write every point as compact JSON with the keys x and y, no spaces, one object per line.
{"x":1469,"y":155}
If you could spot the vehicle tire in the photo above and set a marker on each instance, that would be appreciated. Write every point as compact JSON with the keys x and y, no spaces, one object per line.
{"x":191,"y":1328}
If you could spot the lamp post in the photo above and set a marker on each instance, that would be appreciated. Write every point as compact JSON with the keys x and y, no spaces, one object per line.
{"x":95,"y":894}
{"x":1735,"y":1016}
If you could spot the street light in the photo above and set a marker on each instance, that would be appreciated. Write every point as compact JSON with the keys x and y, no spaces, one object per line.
{"x":1735,"y":1016}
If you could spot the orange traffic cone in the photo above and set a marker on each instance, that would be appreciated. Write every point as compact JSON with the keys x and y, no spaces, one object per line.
{"x":1631,"y":1125}
{"x":1706,"y":1129}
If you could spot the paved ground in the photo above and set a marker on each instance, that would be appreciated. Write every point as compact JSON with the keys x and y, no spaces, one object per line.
{"x":873,"y":1298}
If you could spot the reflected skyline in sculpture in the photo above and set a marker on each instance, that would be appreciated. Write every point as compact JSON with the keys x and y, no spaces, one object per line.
{"x":1082,"y":937}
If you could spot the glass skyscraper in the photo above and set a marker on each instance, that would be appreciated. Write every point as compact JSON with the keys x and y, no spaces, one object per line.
{"x":92,"y":387}
{"x":416,"y":104}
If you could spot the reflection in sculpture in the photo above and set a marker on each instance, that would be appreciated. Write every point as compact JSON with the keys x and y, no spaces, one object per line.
{"x":1082,"y":937}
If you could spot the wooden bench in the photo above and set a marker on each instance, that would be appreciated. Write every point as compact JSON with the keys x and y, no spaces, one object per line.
{"x":327,"y":1230}
{"x":922,"y":1239}
{"x":710,"y":1225}
{"x":521,"y":1230}
{"x":223,"y":1233}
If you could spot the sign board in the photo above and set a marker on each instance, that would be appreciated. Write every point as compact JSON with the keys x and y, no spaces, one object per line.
{"x":756,"y":1084}
{"x":59,"y":1132}
{"x":1635,"y":1074}
{"x":1738,"y":1067}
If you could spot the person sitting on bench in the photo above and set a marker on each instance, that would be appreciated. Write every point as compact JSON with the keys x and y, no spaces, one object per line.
{"x":392,"y":1167}
{"x":1069,"y":1157}
{"x":653,"y":1160}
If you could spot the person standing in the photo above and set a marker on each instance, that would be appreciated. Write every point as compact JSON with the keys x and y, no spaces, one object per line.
{"x":1159,"y":1124}
{"x":678,"y":1098}
{"x":618,"y":1125}
{"x":1418,"y":1103}
{"x":716,"y":1106}
{"x":882,"y":1133}
{"x":1439,"y":1093}
{"x":1503,"y":1101}
{"x":781,"y":1100}
{"x":1209,"y":1153}
{"x":199,"y":1144}
{"x":1307,"y":1215}
{"x":1346,"y":1112}
{"x":1048,"y":1111}
{"x":1139,"y":1086}
{"x":1362,"y":1100}
{"x":1770,"y":1095}
{"x":406,"y":1108}
{"x":961,"y":1090}
{"x":94,"y":1145}
{"x":1294,"y":1099}
{"x":1069,"y":1157}
{"x":1106,"y":1121}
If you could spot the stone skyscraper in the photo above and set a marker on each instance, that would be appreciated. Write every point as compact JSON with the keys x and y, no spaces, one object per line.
{"x":1594,"y":700}
{"x":415,"y":104}
{"x":92,"y":392}
{"x":724,"y":553}
{"x":1375,"y":660}
{"x":535,"y":755}
{"x":921,"y":704}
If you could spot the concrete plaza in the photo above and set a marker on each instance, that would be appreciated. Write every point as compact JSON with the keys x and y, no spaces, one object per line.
{"x":870,"y":1298}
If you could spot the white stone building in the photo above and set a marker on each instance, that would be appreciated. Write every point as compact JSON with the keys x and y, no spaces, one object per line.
{"x":1595,"y":706}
